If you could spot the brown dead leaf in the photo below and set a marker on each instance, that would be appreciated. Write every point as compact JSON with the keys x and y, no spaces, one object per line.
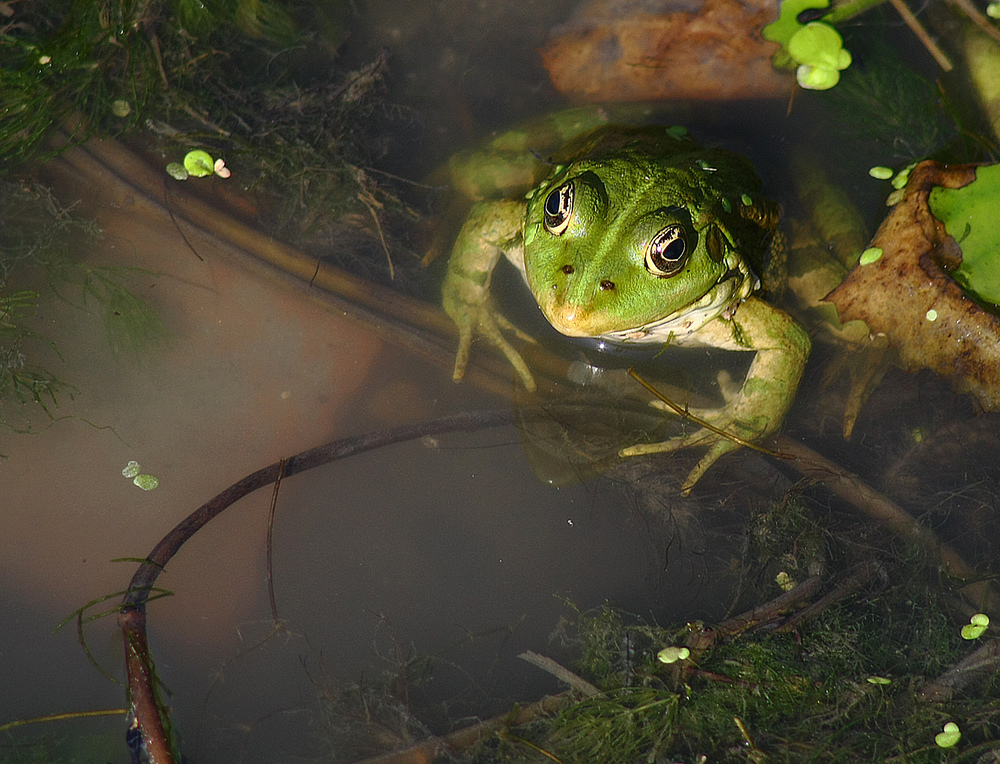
{"x":620,"y":50}
{"x":894,"y":294}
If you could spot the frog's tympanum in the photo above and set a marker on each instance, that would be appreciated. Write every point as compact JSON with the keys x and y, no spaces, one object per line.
{"x":639,"y":235}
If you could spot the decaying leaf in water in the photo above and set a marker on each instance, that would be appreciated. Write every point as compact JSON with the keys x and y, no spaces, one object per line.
{"x":908,"y":294}
{"x":615,"y":50}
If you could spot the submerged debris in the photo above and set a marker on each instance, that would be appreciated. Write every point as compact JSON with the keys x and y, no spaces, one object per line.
{"x":909,"y":295}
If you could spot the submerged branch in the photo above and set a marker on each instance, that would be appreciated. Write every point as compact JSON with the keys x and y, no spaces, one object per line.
{"x":150,"y":717}
{"x":985,"y":660}
{"x":431,"y":750}
{"x":884,"y":511}
{"x":560,"y":672}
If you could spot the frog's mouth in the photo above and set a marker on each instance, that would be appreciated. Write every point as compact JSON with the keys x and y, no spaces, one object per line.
{"x":571,"y":320}
{"x":732,"y":289}
{"x":576,"y":320}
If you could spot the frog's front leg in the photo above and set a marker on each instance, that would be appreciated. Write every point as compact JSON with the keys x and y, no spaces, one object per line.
{"x":491,"y":230}
{"x":759,"y":406}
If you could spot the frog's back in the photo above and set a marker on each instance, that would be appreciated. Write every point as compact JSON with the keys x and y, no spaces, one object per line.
{"x":668,"y":147}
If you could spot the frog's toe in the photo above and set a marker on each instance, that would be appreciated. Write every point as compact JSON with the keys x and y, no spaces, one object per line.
{"x":484,"y":322}
{"x":718,"y":449}
{"x":698,"y":438}
{"x":718,"y":446}
{"x":515,"y":360}
{"x":462,"y":354}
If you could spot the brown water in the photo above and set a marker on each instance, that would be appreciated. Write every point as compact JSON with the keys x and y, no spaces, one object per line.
{"x":452,"y":548}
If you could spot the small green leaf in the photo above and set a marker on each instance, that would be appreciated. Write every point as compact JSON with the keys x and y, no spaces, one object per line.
{"x":820,"y":45}
{"x":199,"y":163}
{"x":971,"y":631}
{"x":131,"y":469}
{"x":816,"y":78}
{"x":176,"y":171}
{"x":881,"y":173}
{"x":949,"y":737}
{"x":903,"y":176}
{"x":673,"y":654}
{"x":976,"y":627}
{"x":146,"y":482}
{"x":818,"y":48}
{"x":879,"y":680}
{"x":870,"y":255}
{"x":782,"y":30}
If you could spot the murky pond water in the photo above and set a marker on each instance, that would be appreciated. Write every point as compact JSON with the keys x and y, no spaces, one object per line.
{"x":449,"y":547}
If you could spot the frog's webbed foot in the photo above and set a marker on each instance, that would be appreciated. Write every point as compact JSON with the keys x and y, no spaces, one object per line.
{"x":724,"y":418}
{"x":482,"y":320}
{"x":718,"y":444}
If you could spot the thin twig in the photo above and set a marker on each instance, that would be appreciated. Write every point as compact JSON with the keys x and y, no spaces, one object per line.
{"x":430,"y":750}
{"x":150,"y":716}
{"x":60,"y":717}
{"x":843,"y":590}
{"x":977,"y":18}
{"x":560,"y":672}
{"x":366,"y":199}
{"x":917,"y":28}
{"x":685,"y":414}
{"x":883,"y":510}
{"x":270,"y":544}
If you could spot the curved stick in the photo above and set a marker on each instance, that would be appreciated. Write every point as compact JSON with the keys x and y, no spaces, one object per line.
{"x":149,"y":722}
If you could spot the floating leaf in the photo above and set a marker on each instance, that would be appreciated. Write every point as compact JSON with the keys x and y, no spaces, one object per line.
{"x":818,"y":48}
{"x":176,"y":171}
{"x":199,"y":163}
{"x":673,"y":654}
{"x":949,"y":737}
{"x":785,"y":581}
{"x":131,"y":469}
{"x":969,"y":217}
{"x":782,"y":30}
{"x":870,"y":255}
{"x":146,"y":482}
{"x":976,"y":627}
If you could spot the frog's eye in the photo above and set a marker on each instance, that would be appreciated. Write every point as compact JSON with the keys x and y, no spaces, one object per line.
{"x":558,"y":209}
{"x":667,"y":252}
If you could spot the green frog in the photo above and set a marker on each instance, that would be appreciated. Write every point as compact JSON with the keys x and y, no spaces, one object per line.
{"x":633,"y":235}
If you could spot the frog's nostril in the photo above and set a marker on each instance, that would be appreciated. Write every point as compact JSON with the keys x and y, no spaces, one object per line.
{"x":607,"y":286}
{"x":567,"y":269}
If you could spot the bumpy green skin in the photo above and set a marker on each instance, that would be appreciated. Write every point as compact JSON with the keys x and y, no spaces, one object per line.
{"x":636,"y":235}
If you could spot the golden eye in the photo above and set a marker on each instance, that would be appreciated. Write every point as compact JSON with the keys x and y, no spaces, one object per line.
{"x":667,"y":252}
{"x":558,"y":209}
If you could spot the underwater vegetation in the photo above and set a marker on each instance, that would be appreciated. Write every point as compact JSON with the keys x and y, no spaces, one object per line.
{"x":247,"y":79}
{"x":40,"y":244}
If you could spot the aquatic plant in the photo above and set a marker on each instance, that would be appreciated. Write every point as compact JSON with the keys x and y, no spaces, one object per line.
{"x":40,"y":242}
{"x":234,"y":75}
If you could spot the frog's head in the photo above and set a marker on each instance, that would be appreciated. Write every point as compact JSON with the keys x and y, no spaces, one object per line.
{"x":616,"y":244}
